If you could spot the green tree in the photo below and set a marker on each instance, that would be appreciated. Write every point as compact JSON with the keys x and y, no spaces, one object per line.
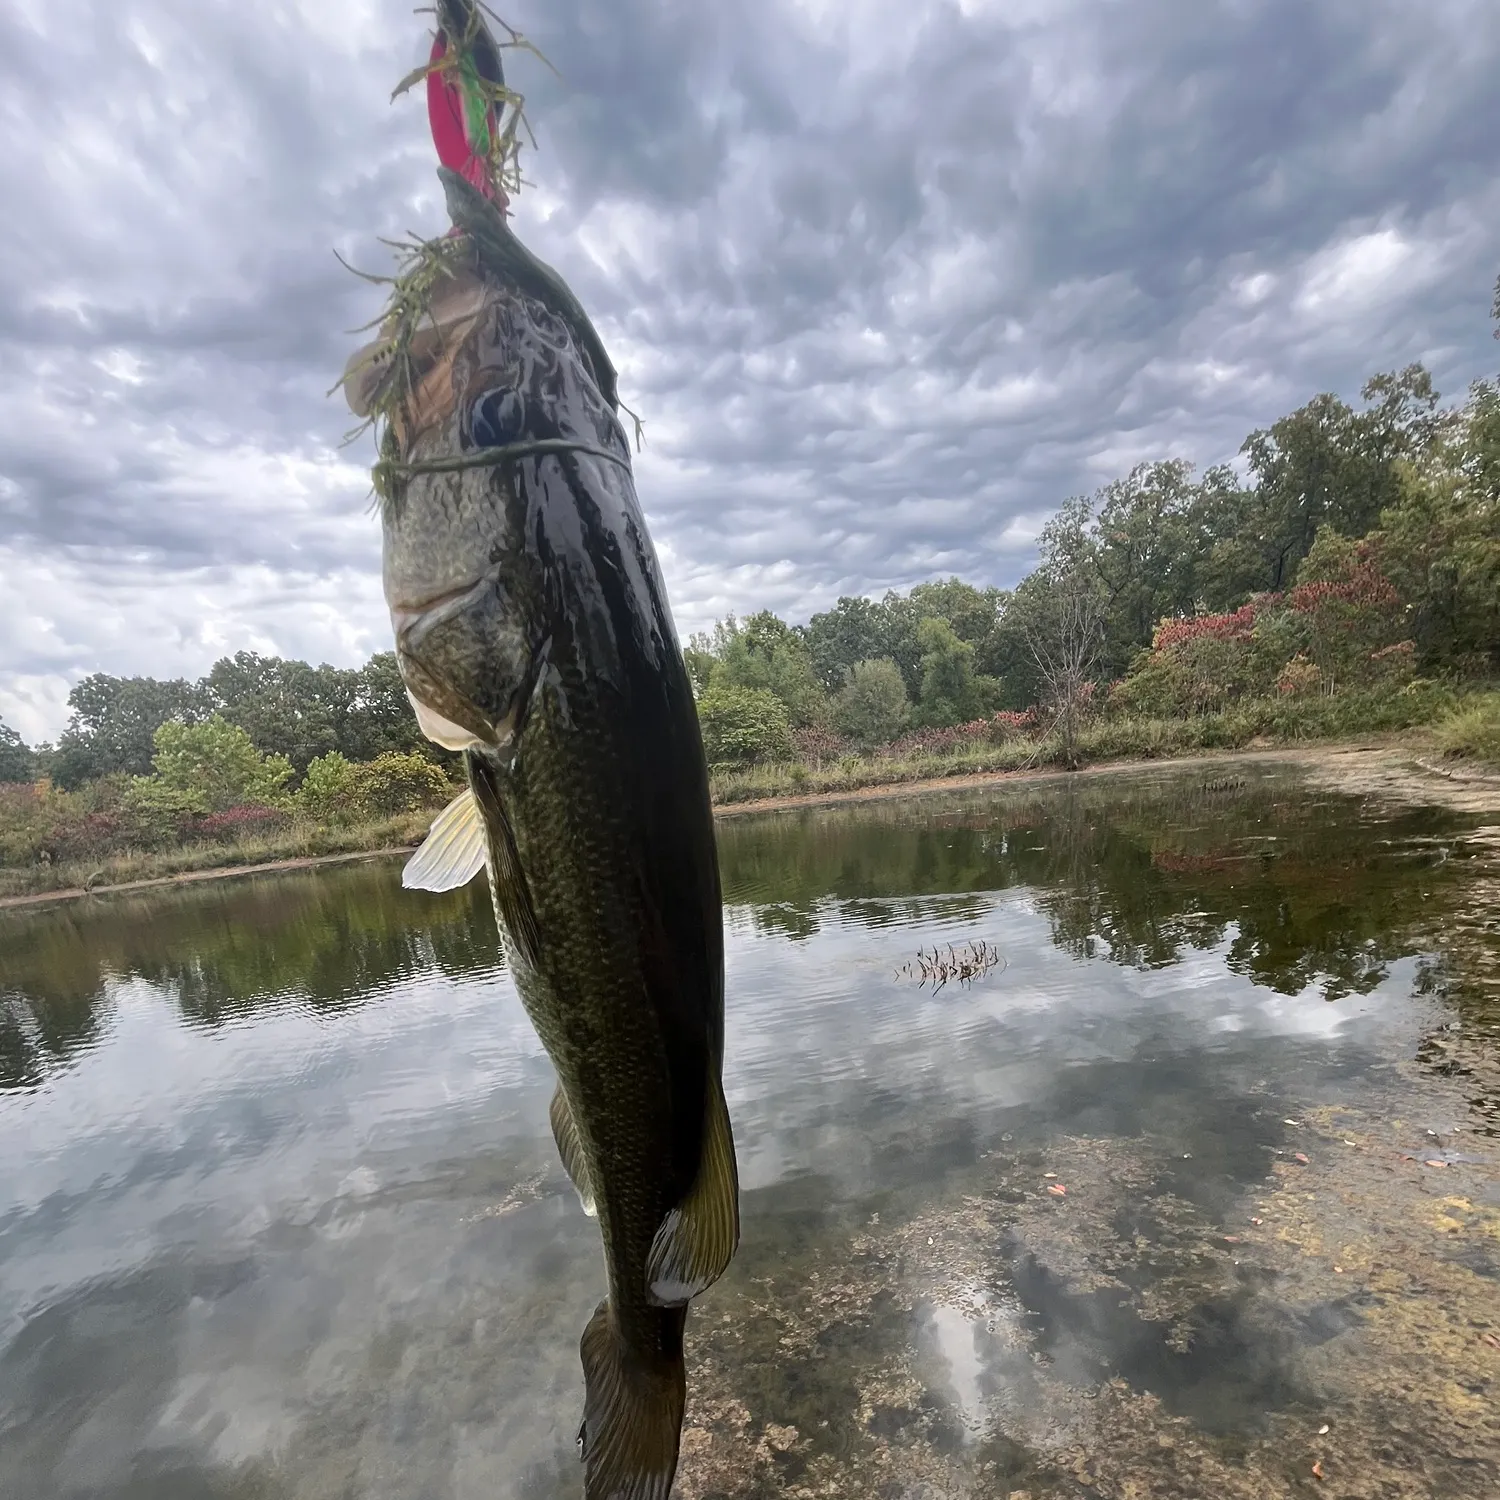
{"x":858,"y":630}
{"x":302,"y":712}
{"x":743,"y":726}
{"x":329,"y":788}
{"x":380,"y":717}
{"x":1440,"y":545}
{"x":972,"y":613}
{"x":1146,"y":554}
{"x":765,"y":653}
{"x":17,"y":763}
{"x":700,"y":663}
{"x":286,"y":707}
{"x":901,"y":616}
{"x":114,"y":721}
{"x":399,"y":782}
{"x":872,"y":709}
{"x":854,"y":630}
{"x":217,"y":762}
{"x":951,"y":692}
{"x":1325,"y":464}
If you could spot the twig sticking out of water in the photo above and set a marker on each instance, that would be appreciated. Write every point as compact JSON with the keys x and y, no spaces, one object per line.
{"x":963,"y":964}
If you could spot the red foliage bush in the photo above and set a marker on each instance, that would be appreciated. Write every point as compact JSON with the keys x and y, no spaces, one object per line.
{"x":1007,"y":723}
{"x":991,"y":731}
{"x":818,"y":745}
{"x":89,"y":836}
{"x":1361,"y":582}
{"x":1235,"y":626}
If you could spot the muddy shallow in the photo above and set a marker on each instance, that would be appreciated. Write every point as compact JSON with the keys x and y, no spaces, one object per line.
{"x":1205,"y":1166}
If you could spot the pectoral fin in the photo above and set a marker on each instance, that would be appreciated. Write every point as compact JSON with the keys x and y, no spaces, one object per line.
{"x":698,"y":1238}
{"x":570,"y":1148}
{"x":452,"y":854}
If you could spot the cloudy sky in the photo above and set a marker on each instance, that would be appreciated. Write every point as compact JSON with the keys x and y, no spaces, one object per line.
{"x":886,"y":281}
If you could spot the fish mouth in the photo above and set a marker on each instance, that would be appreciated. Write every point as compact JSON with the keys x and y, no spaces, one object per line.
{"x":444,"y":717}
{"x":413,"y":621}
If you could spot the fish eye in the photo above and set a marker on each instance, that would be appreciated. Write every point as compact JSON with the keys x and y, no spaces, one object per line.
{"x":497,"y":418}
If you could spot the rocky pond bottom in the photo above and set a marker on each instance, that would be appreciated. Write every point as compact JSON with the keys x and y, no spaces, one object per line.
{"x":1190,"y":1189}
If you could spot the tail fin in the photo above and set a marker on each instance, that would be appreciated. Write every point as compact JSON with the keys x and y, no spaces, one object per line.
{"x":632,"y":1411}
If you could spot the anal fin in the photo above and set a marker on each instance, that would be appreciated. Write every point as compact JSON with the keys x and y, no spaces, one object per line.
{"x":570,"y":1148}
{"x":698,"y":1238}
{"x":452,"y":854}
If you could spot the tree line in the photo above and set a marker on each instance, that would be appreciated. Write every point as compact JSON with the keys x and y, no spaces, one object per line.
{"x":1391,"y":509}
{"x":287,"y":708}
{"x":1351,"y":544}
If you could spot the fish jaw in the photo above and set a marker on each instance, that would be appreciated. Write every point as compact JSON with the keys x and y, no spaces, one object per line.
{"x":441,"y":731}
{"x":446,"y":715}
{"x":465,"y":696}
{"x":457,"y":588}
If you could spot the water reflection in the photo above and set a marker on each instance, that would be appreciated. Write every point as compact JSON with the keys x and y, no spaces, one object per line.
{"x":325,"y":939}
{"x":283,"y":1218}
{"x":1136,"y":871}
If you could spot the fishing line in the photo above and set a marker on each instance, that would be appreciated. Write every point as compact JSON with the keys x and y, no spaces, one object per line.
{"x":486,"y":458}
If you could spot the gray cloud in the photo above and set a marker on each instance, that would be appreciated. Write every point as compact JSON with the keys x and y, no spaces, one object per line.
{"x":886,"y":282}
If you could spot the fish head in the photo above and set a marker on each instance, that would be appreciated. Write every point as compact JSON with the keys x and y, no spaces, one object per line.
{"x":466,"y":589}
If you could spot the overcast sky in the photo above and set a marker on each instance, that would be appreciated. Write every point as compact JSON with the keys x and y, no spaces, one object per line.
{"x":887,"y":281}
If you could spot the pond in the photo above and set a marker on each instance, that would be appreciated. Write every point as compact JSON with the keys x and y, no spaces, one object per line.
{"x":1190,"y":1190}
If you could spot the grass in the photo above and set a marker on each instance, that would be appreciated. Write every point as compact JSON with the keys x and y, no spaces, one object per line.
{"x":1118,"y":737}
{"x":301,"y":841}
{"x":1473,"y":732}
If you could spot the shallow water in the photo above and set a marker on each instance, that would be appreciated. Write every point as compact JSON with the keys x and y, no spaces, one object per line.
{"x":280,"y":1214}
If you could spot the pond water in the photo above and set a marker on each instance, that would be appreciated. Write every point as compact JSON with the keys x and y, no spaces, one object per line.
{"x":1203,"y":1164}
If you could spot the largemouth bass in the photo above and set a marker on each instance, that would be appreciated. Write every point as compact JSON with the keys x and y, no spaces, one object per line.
{"x":534,"y":635}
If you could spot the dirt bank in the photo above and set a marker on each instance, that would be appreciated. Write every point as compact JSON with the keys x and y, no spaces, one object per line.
{"x":1391,"y":768}
{"x":188,"y":877}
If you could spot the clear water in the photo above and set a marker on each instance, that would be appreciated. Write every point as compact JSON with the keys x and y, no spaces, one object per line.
{"x":280,"y":1214}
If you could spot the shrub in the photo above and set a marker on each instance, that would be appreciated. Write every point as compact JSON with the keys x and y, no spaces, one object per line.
{"x":1007,"y":724}
{"x":1394,"y":665}
{"x":158,"y":813}
{"x":17,"y":763}
{"x":400,"y":781}
{"x":743,"y":726}
{"x":940,"y":741}
{"x":217,"y":763}
{"x":872,"y":708}
{"x":328,"y":790}
{"x":240,"y":822}
{"x":1299,"y":678}
{"x":817,"y":745}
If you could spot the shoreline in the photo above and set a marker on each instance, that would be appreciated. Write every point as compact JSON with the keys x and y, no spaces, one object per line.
{"x":1390,"y":766}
